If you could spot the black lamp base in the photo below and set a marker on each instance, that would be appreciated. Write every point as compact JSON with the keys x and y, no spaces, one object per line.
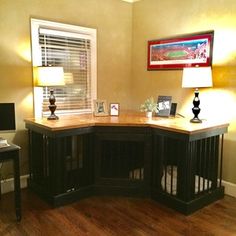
{"x":53,"y":117}
{"x":52,"y":107}
{"x":196,"y":120}
{"x":196,"y":110}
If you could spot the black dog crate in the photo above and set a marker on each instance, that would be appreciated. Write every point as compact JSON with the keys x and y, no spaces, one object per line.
{"x":187,"y":170}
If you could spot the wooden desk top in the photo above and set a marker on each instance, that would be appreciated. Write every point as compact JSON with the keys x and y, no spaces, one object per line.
{"x":132,"y":119}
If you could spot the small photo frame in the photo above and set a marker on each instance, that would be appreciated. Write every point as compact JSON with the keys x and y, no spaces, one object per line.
{"x":114,"y":109}
{"x":164,"y":105}
{"x":100,"y":107}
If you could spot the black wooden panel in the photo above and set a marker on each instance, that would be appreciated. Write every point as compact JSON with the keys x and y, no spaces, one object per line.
{"x":60,"y":165}
{"x":122,"y":157}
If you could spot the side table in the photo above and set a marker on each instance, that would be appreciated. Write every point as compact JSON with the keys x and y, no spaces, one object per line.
{"x":12,"y":153}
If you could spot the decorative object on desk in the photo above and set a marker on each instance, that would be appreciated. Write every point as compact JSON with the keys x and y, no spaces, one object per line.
{"x":50,"y":76}
{"x":7,"y":117}
{"x":181,"y":51}
{"x":100,"y":107}
{"x":173,"y":109}
{"x":149,"y":106}
{"x":114,"y":109}
{"x":3,"y":143}
{"x":196,"y":77}
{"x":164,"y":105}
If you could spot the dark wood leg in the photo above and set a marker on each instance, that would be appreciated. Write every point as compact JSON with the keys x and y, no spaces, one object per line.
{"x":17,"y":186}
{"x":0,"y":188}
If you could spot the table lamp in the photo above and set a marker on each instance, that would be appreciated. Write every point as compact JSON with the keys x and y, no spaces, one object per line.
{"x":196,"y":77}
{"x":49,"y":76}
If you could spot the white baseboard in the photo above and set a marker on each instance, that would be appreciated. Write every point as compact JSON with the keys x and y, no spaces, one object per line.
{"x":230,"y":188}
{"x":8,"y":184}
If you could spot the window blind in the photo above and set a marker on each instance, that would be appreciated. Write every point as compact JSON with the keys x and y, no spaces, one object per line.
{"x":72,"y":51}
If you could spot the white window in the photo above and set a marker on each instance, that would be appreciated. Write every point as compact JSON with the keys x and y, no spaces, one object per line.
{"x":73,"y":48}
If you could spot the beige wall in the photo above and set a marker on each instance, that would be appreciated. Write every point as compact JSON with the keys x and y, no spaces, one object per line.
{"x":153,"y":19}
{"x":111,"y":18}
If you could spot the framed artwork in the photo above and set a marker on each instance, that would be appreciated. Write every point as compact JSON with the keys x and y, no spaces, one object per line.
{"x":114,"y":109}
{"x":181,"y":51}
{"x":100,"y":107}
{"x":164,"y":105}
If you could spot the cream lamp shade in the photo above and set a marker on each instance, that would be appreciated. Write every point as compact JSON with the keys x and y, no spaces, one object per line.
{"x":49,"y":76}
{"x":197,"y":77}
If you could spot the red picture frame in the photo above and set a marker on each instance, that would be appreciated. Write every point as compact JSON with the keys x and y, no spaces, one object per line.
{"x":182,"y":51}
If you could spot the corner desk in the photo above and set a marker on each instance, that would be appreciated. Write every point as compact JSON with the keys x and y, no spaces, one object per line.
{"x":169,"y":160}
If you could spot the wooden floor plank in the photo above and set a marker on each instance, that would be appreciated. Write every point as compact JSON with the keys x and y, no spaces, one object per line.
{"x":114,"y":216}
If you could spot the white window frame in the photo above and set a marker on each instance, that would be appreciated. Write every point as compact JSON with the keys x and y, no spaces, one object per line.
{"x":36,"y":24}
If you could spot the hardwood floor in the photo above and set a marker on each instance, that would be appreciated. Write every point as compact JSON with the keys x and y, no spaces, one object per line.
{"x":121,"y":216}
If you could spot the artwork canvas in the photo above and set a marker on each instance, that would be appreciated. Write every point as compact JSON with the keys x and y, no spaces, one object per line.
{"x":181,"y":51}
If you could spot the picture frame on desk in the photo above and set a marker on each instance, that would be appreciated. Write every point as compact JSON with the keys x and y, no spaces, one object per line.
{"x":100,"y":107}
{"x":164,"y":105}
{"x":114,"y":109}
